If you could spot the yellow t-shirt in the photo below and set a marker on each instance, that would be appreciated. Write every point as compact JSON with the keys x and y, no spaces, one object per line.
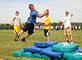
{"x":47,"y":21}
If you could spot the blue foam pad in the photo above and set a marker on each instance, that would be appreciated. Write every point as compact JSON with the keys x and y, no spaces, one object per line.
{"x":32,"y":49}
{"x":40,"y":44}
{"x":79,"y":50}
{"x":50,"y":43}
{"x":45,"y":44}
{"x":48,"y":51}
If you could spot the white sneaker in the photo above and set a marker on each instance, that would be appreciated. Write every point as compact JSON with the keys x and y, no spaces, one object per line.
{"x":71,"y":42}
{"x":66,"y":42}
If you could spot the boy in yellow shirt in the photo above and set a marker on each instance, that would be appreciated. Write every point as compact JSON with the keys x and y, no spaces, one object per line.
{"x":16,"y":22}
{"x":46,"y":25}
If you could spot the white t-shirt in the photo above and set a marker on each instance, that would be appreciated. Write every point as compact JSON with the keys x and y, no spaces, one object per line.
{"x":17,"y":20}
{"x":67,"y":22}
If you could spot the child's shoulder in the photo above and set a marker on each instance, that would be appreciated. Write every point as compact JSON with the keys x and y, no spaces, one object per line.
{"x":48,"y":17}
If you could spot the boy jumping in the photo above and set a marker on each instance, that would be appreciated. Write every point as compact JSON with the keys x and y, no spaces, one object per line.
{"x":31,"y":21}
{"x":47,"y":24}
{"x":67,"y":27}
{"x":16,"y":21}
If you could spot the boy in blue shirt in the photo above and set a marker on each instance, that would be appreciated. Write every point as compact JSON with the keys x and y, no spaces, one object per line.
{"x":29,"y":25}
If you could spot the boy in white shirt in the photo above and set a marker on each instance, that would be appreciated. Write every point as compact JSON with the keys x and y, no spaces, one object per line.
{"x":16,"y":22}
{"x":67,"y":27}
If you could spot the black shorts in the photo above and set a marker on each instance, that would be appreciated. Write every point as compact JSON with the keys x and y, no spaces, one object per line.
{"x":46,"y":32}
{"x":29,"y":27}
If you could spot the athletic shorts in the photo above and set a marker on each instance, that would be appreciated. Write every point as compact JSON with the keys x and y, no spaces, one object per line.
{"x":67,"y":31}
{"x":29,"y":27}
{"x":16,"y":29}
{"x":46,"y":32}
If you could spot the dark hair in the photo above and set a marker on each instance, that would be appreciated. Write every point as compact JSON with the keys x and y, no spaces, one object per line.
{"x":17,"y":12}
{"x":30,"y":5}
{"x":67,"y":12}
{"x":47,"y":11}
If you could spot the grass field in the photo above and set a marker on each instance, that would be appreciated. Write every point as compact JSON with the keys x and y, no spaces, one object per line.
{"x":7,"y":44}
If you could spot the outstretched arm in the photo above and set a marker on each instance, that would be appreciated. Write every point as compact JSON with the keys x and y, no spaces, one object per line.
{"x":42,"y":15}
{"x":71,"y":15}
{"x":12,"y":21}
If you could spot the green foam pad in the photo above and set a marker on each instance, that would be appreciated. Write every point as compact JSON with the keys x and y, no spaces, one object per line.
{"x":65,"y":47}
{"x":45,"y":57}
{"x":18,"y":53}
{"x":73,"y":56}
{"x":27,"y":54}
{"x":36,"y":55}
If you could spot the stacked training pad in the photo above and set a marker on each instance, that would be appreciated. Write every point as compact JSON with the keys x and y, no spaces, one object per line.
{"x":38,"y":46}
{"x":73,"y":56}
{"x":65,"y":47}
{"x":48,"y":51}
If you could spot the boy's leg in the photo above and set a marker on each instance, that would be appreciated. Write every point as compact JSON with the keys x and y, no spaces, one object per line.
{"x":16,"y":31}
{"x":65,"y":33}
{"x":69,"y":32}
{"x":47,"y":34}
{"x":24,"y":29}
{"x":30,"y":28}
{"x":20,"y":32}
{"x":24,"y":38}
{"x":70,"y":35}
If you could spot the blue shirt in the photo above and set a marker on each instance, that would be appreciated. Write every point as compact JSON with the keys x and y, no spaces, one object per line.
{"x":33,"y":17}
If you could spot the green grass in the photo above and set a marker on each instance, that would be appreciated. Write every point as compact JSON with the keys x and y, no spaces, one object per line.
{"x":7,"y":44}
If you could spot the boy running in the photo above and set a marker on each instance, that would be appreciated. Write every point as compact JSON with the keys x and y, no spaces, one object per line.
{"x":47,"y":24}
{"x":16,"y":21}
{"x":67,"y":27}
{"x":31,"y":21}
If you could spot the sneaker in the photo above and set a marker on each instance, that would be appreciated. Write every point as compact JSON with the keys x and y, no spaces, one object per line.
{"x":16,"y":40}
{"x":23,"y":39}
{"x":66,"y":42}
{"x":71,"y":42}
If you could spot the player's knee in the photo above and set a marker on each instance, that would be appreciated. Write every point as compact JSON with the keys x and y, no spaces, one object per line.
{"x":65,"y":34}
{"x":70,"y":34}
{"x":45,"y":35}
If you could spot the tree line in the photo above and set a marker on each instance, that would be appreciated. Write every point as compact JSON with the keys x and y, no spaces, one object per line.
{"x":7,"y":26}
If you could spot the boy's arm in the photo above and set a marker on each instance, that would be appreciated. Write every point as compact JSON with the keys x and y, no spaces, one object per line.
{"x":71,"y":15}
{"x":12,"y":21}
{"x":20,"y":23}
{"x":42,"y":15}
